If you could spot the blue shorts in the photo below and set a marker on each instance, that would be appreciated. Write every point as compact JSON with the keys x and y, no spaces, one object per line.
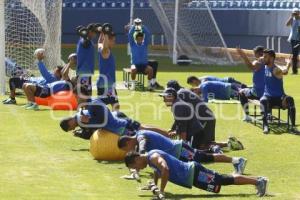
{"x":190,"y":154}
{"x":209,"y":180}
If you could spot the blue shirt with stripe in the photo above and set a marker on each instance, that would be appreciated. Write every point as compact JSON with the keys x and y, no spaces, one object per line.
{"x":85,"y":58}
{"x":180,"y":173}
{"x":273,"y":85}
{"x":157,"y":141}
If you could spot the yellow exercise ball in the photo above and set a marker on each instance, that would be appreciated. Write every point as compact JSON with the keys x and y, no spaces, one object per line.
{"x":104,"y":146}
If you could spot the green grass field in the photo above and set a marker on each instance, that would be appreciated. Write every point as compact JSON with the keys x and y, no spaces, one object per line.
{"x":40,"y":161}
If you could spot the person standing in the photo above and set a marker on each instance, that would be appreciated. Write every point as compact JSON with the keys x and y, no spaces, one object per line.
{"x":294,"y":37}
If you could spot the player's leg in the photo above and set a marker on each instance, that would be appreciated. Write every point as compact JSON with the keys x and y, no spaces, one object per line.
{"x":154,"y":65}
{"x":295,"y":52}
{"x":14,"y":83}
{"x":211,"y":181}
{"x":30,"y":91}
{"x":133,"y":72}
{"x":149,"y":71}
{"x":289,"y":103}
{"x":265,"y":107}
{"x":243,"y":96}
{"x":115,"y":101}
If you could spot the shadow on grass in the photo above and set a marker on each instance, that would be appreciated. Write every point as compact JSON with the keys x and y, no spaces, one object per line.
{"x":199,"y":196}
{"x":79,"y":150}
{"x":276,"y":129}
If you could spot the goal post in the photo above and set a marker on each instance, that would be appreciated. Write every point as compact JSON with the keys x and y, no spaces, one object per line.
{"x":190,"y":32}
{"x":2,"y":48}
{"x":25,"y":26}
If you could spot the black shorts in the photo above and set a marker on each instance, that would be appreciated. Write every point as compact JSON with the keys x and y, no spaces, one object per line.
{"x":209,"y":180}
{"x":16,"y":83}
{"x":83,"y":86}
{"x":189,"y":154}
{"x":42,"y":91}
{"x":141,"y":68}
{"x":206,"y":135}
{"x":107,"y":97}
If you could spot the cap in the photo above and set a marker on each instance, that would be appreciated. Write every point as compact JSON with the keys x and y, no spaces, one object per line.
{"x":168,"y":92}
{"x":137,"y":21}
{"x":174,"y":84}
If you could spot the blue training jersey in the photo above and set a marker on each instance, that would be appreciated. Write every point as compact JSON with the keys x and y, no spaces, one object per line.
{"x":157,"y":141}
{"x":259,"y":81}
{"x":273,"y":85}
{"x":107,"y":69}
{"x":215,"y":90}
{"x":85,"y":58}
{"x":180,"y":173}
{"x":213,"y":78}
{"x":139,"y":53}
{"x":101,"y":117}
{"x":58,"y":86}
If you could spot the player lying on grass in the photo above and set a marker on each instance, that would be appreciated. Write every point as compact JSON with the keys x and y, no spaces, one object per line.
{"x":187,"y":174}
{"x":258,"y":79}
{"x":217,"y":90}
{"x":145,"y":141}
{"x":46,"y":78}
{"x":274,"y":94}
{"x":97,"y":115}
{"x":195,"y":82}
{"x":194,"y":122}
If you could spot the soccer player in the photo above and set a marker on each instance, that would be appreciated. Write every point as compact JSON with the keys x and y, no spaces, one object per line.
{"x":294,"y":37}
{"x":106,"y":83}
{"x":43,"y":91}
{"x":194,"y":122}
{"x":46,"y":78}
{"x":187,"y":174}
{"x":97,"y":115}
{"x":195,"y":82}
{"x":274,"y":94}
{"x":85,"y":60}
{"x":258,"y":80}
{"x":145,"y":141}
{"x":217,"y":90}
{"x":139,"y":40}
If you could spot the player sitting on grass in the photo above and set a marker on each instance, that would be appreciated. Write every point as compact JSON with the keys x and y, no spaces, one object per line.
{"x":187,"y":174}
{"x":145,"y":141}
{"x":195,"y":82}
{"x":194,"y":122}
{"x":47,"y":77}
{"x":97,"y":115}
{"x":217,"y":90}
{"x":106,"y":83}
{"x":258,"y":69}
{"x":274,"y":94}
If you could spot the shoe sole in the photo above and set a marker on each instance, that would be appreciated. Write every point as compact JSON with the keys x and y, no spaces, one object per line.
{"x":244,"y":167}
{"x":266,"y":188}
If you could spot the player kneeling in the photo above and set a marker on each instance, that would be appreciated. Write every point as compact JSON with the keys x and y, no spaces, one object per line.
{"x":190,"y":174}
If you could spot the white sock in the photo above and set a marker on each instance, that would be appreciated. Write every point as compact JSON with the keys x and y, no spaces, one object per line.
{"x":235,"y":160}
{"x":153,"y":81}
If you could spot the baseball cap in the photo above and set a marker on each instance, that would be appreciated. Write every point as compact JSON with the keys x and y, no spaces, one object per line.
{"x":168,"y":92}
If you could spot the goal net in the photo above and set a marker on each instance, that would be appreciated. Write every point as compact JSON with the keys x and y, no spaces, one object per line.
{"x":188,"y":30}
{"x":32,"y":24}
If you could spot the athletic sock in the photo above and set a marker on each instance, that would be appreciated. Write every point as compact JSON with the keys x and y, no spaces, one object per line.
{"x":153,"y":81}
{"x":235,"y":160}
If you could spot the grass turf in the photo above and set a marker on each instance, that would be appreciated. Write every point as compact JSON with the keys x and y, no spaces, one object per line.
{"x":39,"y":161}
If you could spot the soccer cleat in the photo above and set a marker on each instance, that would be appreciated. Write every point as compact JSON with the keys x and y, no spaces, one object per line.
{"x":149,"y":185}
{"x":247,"y":118}
{"x":240,"y":166}
{"x":215,"y":149}
{"x":234,"y":144}
{"x":33,"y":107}
{"x":266,"y":129}
{"x":10,"y":101}
{"x":27,"y":105}
{"x":261,"y":186}
{"x":295,"y":131}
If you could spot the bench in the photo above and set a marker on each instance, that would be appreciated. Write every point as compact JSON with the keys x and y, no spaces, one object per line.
{"x":271,"y":117}
{"x":140,"y":79}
